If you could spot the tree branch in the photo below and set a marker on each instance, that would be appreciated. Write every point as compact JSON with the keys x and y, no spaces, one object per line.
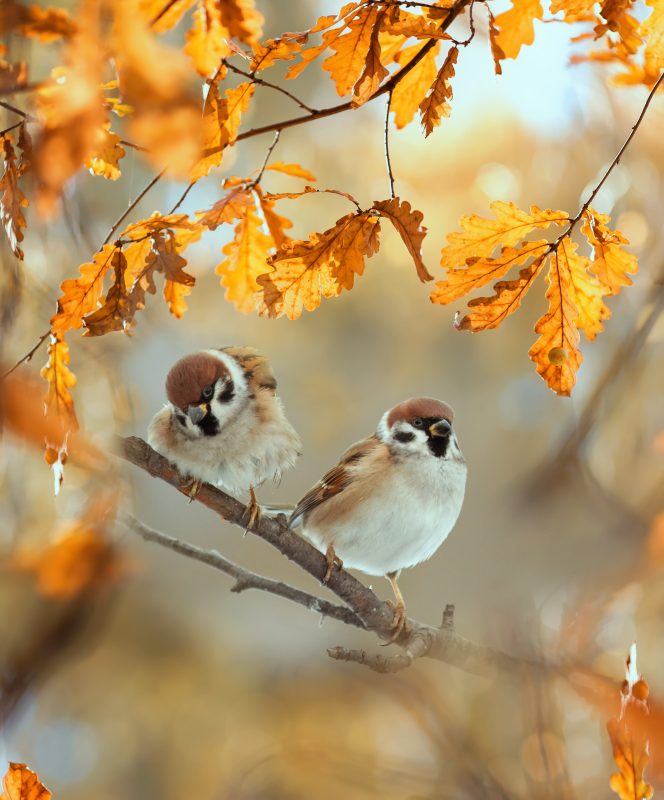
{"x":244,"y":579}
{"x":277,"y":88}
{"x":28,"y":356}
{"x":418,"y":640}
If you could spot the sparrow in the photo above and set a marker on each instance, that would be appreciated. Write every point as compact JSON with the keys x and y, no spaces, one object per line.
{"x":224,"y":422}
{"x":392,"y":499}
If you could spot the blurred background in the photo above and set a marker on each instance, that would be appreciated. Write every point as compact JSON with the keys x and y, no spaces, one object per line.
{"x":164,"y":684}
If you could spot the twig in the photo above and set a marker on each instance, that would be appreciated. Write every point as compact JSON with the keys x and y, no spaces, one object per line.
{"x":28,"y":356}
{"x":262,"y":82}
{"x":465,"y":42}
{"x":261,"y":171}
{"x":183,"y":197}
{"x":131,"y":207}
{"x":417,"y":641}
{"x":375,"y":661}
{"x":163,"y":11}
{"x":134,"y":146}
{"x":408,"y":3}
{"x":11,"y":128}
{"x":14,"y":110}
{"x":244,"y":579}
{"x":387,"y":145}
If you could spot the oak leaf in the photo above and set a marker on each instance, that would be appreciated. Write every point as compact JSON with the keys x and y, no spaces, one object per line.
{"x":12,"y":199}
{"x":488,"y":312}
{"x":303,"y":271}
{"x":652,"y":30}
{"x":282,"y":49}
{"x":373,"y":72}
{"x":34,"y":21}
{"x":408,"y":223}
{"x":497,"y":52}
{"x":118,"y":309}
{"x":232,"y":206}
{"x":516,"y":27}
{"x":329,"y":36}
{"x":411,"y":89}
{"x":611,"y":264}
{"x":162,"y":16}
{"x":586,"y":291}
{"x":178,"y":283}
{"x":21,"y":783}
{"x":276,"y":224}
{"x":58,"y":402}
{"x":351,"y":49}
{"x":105,"y":157}
{"x":436,"y":104}
{"x":295,"y":170}
{"x":207,"y":41}
{"x":246,"y":256}
{"x":399,"y":22}
{"x":556,"y":353}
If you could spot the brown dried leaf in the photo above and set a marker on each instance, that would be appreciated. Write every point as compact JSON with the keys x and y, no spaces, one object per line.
{"x":373,"y":72}
{"x":12,"y":76}
{"x":12,"y":199}
{"x":436,"y":104}
{"x":117,"y":311}
{"x":409,"y":226}
{"x":178,"y":282}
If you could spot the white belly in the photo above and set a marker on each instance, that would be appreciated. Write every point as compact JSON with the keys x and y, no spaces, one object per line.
{"x":399,"y":524}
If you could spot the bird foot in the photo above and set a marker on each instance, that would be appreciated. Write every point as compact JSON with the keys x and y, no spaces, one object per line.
{"x":399,"y":623}
{"x":252,"y":513}
{"x":333,"y":561}
{"x":192,"y":488}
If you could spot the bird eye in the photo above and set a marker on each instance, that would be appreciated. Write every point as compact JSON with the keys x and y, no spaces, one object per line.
{"x":417,"y":422}
{"x":208,"y":391}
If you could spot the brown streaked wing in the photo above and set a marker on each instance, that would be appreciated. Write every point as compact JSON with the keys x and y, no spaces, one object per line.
{"x":334,"y":480}
{"x":256,"y":367}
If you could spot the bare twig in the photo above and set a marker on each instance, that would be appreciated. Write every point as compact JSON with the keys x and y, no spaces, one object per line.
{"x":134,"y":146}
{"x":14,"y":110}
{"x":417,"y":641}
{"x":387,"y":144}
{"x":261,"y":171}
{"x":28,"y":356}
{"x":11,"y":128}
{"x":132,"y":206}
{"x":269,"y":85}
{"x":244,"y":579}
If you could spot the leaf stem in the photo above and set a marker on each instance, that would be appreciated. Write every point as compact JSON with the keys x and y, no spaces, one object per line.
{"x":28,"y":356}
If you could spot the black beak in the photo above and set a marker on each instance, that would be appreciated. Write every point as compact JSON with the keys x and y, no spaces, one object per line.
{"x":196,"y":413}
{"x":441,"y":428}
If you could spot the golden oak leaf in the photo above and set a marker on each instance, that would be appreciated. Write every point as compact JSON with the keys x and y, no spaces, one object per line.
{"x":118,"y":309}
{"x":105,"y":157}
{"x":276,"y":224}
{"x":402,"y":23}
{"x":21,"y":783}
{"x":58,"y":402}
{"x":436,"y":104}
{"x":302,"y":271}
{"x":488,"y":312}
{"x":516,"y":27}
{"x":556,"y":353}
{"x":81,"y":295}
{"x":231,"y":207}
{"x":480,"y":236}
{"x":481,"y":270}
{"x":45,"y":24}
{"x":162,"y":15}
{"x":373,"y":72}
{"x":282,"y":49}
{"x":186,"y":231}
{"x":221,"y":121}
{"x":652,"y":30}
{"x":12,"y":199}
{"x":329,"y":36}
{"x":351,"y":49}
{"x":611,"y":263}
{"x":178,"y":282}
{"x":412,"y":88}
{"x":628,"y":733}
{"x":246,"y":256}
{"x":292,"y":169}
{"x":70,"y":111}
{"x":409,"y":226}
{"x":207,"y":39}
{"x":242,"y":19}
{"x":586,"y":292}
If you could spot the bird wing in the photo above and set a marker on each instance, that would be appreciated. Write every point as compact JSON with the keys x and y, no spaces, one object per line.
{"x":335,"y":480}
{"x":256,"y":367}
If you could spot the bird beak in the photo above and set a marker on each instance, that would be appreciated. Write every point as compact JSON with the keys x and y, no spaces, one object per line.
{"x":440,"y":428}
{"x":197,"y":413}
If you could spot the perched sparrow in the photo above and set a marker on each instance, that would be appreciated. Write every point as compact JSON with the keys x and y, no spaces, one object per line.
{"x":224,"y":423}
{"x":392,"y":499}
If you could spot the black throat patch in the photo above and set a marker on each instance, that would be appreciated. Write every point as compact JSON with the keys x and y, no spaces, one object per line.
{"x":209,"y":425}
{"x":438,"y":445}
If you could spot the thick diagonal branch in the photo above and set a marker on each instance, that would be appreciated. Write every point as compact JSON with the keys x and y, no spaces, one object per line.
{"x":442,"y":644}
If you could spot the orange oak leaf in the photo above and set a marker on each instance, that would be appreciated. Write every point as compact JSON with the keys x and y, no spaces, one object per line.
{"x":242,"y":19}
{"x":409,"y":226}
{"x":21,"y":783}
{"x":488,"y":312}
{"x":373,"y":72}
{"x":81,"y":295}
{"x":246,"y":256}
{"x":480,"y":237}
{"x":282,"y":49}
{"x":303,"y":271}
{"x":58,"y":402}
{"x":556,"y":353}
{"x":162,"y":16}
{"x":480,"y":270}
{"x":611,"y":263}
{"x":351,"y":49}
{"x":276,"y":224}
{"x":104,"y":159}
{"x":12,"y":199}
{"x":586,"y":291}
{"x":516,"y":27}
{"x":34,"y":21}
{"x":232,"y":206}
{"x":436,"y":104}
{"x":329,"y":36}
{"x":117,"y":311}
{"x":412,"y":88}
{"x":628,"y":733}
{"x":221,"y":121}
{"x":207,"y":41}
{"x":292,"y":169}
{"x":178,"y":283}
{"x":572,"y":9}
{"x":652,"y":30}
{"x":399,"y":22}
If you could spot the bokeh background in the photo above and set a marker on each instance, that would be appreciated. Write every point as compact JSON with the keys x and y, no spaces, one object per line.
{"x":164,"y":684}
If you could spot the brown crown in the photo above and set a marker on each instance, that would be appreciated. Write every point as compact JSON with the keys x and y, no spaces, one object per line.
{"x":425,"y":407}
{"x":188,"y":377}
